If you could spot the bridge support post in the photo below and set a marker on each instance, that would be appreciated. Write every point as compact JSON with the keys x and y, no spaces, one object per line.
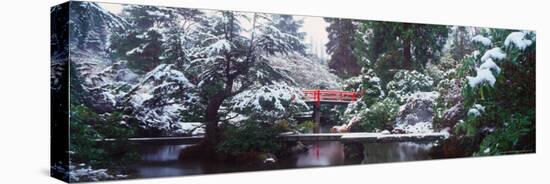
{"x":317,"y":119}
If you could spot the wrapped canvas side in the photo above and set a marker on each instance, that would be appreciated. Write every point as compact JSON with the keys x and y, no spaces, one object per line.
{"x":59,"y":92}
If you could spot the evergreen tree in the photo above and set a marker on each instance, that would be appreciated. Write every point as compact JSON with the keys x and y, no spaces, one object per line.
{"x":341,"y":34}
{"x":91,"y":26}
{"x":287,"y":24}
{"x":418,"y":43}
{"x":461,"y":43}
{"x":230,"y":63}
{"x":180,"y":36}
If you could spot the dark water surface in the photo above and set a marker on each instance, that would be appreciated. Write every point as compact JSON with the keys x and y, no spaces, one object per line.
{"x":162,"y":160}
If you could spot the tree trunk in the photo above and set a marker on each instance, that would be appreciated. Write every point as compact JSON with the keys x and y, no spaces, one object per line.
{"x":406,"y":47}
{"x":212,"y":119}
{"x":407,"y":54}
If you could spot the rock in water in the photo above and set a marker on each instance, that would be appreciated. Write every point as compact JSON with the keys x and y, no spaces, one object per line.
{"x":298,"y":148}
{"x":271,"y":159}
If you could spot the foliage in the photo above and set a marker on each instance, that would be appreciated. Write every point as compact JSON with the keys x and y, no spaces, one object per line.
{"x":341,"y":35}
{"x":367,"y":85}
{"x":379,"y":116}
{"x":508,"y":139}
{"x":86,"y":126}
{"x":251,"y":136}
{"x":228,"y":63}
{"x":287,"y":24}
{"x":461,"y":43}
{"x":269,"y":103}
{"x":419,"y":43}
{"x":306,"y":126}
{"x":387,"y":65}
{"x":447,"y":82}
{"x":508,"y":107}
{"x":407,"y":82}
{"x":142,"y":50}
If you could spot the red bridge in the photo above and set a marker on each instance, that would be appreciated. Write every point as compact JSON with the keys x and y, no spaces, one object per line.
{"x":329,"y":96}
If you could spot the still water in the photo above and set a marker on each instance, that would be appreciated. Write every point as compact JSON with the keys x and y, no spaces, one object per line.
{"x":162,"y":160}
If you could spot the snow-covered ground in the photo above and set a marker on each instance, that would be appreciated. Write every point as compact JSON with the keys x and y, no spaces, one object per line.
{"x":83,"y":172}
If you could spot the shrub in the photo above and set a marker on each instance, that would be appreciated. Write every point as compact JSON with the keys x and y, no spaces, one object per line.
{"x":367,"y":85}
{"x":249,"y":137}
{"x":501,"y":109}
{"x":379,"y":116}
{"x":86,"y":126}
{"x":306,"y":126}
{"x":407,"y":82}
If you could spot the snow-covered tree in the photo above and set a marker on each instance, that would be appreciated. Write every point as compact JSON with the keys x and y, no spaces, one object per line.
{"x":157,"y":35}
{"x":91,"y":26}
{"x":287,"y":24}
{"x":269,"y":103}
{"x":160,"y":99}
{"x":234,"y":59}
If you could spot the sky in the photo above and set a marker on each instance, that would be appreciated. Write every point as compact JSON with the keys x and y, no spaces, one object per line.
{"x":314,"y":27}
{"x":111,"y":7}
{"x":316,"y":34}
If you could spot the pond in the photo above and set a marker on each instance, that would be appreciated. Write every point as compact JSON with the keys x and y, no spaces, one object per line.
{"x":162,"y":160}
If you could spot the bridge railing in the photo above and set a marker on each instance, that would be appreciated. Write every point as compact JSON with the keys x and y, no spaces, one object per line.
{"x":329,"y":95}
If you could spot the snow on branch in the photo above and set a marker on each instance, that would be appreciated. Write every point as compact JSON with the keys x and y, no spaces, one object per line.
{"x":518,"y":40}
{"x":273,"y":100}
{"x":483,"y":75}
{"x":494,"y":53}
{"x":483,"y":40}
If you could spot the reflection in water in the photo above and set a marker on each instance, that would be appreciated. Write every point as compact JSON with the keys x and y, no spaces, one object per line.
{"x":162,"y":153}
{"x":162,"y":160}
{"x":321,"y":154}
{"x":395,"y":152}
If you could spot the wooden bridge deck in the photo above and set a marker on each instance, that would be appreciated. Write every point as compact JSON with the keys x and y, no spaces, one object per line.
{"x":344,"y":137}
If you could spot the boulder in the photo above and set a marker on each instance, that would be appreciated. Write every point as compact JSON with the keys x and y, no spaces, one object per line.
{"x":416,"y":115}
{"x":345,"y":128}
{"x":452,"y":116}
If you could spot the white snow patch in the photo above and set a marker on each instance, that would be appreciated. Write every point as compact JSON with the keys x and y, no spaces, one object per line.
{"x":481,"y":39}
{"x":475,"y":53}
{"x":518,"y":40}
{"x":220,"y":46}
{"x":275,"y":93}
{"x":490,"y":65}
{"x":83,"y":173}
{"x":193,"y":128}
{"x":137,"y":50}
{"x":494,"y":53}
{"x":479,"y":107}
{"x":374,"y":79}
{"x":476,"y":110}
{"x":483,"y":75}
{"x":420,"y":127}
